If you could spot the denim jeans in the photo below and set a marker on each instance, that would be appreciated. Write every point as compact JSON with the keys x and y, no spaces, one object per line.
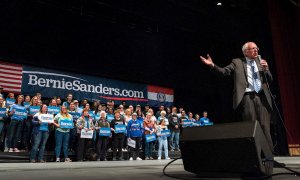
{"x":148,"y":149}
{"x":14,"y":135}
{"x":175,"y":140}
{"x":39,"y":142}
{"x":163,"y":143}
{"x":61,"y":140}
{"x":1,"y":126}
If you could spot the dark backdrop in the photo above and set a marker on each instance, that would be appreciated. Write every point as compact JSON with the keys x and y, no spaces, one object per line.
{"x":150,"y":41}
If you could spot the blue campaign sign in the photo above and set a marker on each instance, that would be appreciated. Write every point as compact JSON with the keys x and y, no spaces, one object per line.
{"x":150,"y":137}
{"x":20,"y":113}
{"x":58,"y":83}
{"x":104,"y":131}
{"x":208,"y":124}
{"x":120,"y":128}
{"x":34,"y":109}
{"x":10,"y":102}
{"x":186,"y":123}
{"x":66,"y":124}
{"x":3,"y":112}
{"x":166,"y":133}
{"x":75,"y":115}
{"x":26,"y":104}
{"x":53,"y":109}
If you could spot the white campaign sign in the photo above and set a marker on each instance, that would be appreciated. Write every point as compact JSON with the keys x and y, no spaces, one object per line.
{"x":46,"y":118}
{"x":131,"y":142}
{"x":86,"y":134}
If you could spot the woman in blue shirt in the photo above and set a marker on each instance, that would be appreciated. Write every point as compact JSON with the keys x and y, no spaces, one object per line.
{"x":40,"y":134}
{"x":18,"y":114}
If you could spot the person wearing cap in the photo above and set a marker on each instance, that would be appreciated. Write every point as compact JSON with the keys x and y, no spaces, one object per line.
{"x":137,"y":108}
{"x":135,"y":132}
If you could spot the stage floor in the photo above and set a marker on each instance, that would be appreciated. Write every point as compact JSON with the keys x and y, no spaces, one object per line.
{"x":150,"y":169}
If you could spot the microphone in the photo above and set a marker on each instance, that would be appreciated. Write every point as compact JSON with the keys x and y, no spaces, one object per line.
{"x":259,"y":58}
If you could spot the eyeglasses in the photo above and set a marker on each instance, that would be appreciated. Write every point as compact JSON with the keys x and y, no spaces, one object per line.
{"x":254,"y":48}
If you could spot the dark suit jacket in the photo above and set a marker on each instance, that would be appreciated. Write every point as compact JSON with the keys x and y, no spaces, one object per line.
{"x":238,"y":68}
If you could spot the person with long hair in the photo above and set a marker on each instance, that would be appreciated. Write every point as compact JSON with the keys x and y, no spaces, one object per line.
{"x":62,"y":133}
{"x":40,"y":134}
{"x":15,"y":127}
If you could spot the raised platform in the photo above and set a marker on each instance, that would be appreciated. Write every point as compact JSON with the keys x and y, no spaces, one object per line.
{"x":13,"y":157}
{"x":146,"y":169}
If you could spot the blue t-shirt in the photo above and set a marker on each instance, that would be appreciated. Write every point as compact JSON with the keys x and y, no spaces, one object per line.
{"x":204,"y":120}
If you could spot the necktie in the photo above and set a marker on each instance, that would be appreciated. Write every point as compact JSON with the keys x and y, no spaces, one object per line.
{"x":255,"y":79}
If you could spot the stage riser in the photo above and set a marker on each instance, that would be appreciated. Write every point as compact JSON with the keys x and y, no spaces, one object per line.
{"x":12,"y":157}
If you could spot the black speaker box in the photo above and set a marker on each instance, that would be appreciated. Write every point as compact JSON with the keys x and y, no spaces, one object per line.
{"x":237,"y":149}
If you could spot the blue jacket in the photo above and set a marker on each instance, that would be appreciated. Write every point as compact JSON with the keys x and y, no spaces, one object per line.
{"x":135,"y":128}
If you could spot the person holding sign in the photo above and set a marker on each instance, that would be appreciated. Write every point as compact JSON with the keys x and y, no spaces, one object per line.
{"x":162,"y":138}
{"x":118,"y":128}
{"x":3,"y":114}
{"x":135,"y":131}
{"x":149,"y":126}
{"x":83,"y":124}
{"x":63,"y":123}
{"x":204,"y":120}
{"x":73,"y":132}
{"x":175,"y":129}
{"x":40,"y":132}
{"x":103,"y":126}
{"x":18,"y":113}
{"x":33,"y":109}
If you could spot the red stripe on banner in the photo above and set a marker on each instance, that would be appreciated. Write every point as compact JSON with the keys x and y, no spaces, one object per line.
{"x":9,"y":81}
{"x":15,"y":78}
{"x":123,"y":99}
{"x":10,"y":64}
{"x":9,"y":74}
{"x":14,"y":74}
{"x":159,"y":89}
{"x":10,"y":69}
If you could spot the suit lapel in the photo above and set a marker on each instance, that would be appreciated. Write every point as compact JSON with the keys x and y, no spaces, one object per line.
{"x":245,"y":66}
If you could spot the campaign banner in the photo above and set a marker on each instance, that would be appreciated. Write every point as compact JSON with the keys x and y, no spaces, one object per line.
{"x":104,"y":131}
{"x":46,"y":118}
{"x":52,"y":83}
{"x":53,"y":109}
{"x":3,"y":112}
{"x":66,"y":124}
{"x":10,"y":102}
{"x":75,"y":115}
{"x":150,"y":137}
{"x":97,"y":117}
{"x":34,"y":109}
{"x":86,"y":134}
{"x":120,"y":128}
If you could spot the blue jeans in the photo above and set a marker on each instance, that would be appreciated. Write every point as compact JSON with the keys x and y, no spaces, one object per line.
{"x":175,"y":140}
{"x":14,"y":134}
{"x":39,"y":142}
{"x":148,"y":149}
{"x":1,"y":126}
{"x":61,"y":140}
{"x":163,"y":143}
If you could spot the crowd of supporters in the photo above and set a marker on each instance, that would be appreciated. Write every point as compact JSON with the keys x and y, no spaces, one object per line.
{"x":33,"y":124}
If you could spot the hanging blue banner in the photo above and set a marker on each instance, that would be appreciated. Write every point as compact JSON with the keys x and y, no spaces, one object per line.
{"x":52,"y":83}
